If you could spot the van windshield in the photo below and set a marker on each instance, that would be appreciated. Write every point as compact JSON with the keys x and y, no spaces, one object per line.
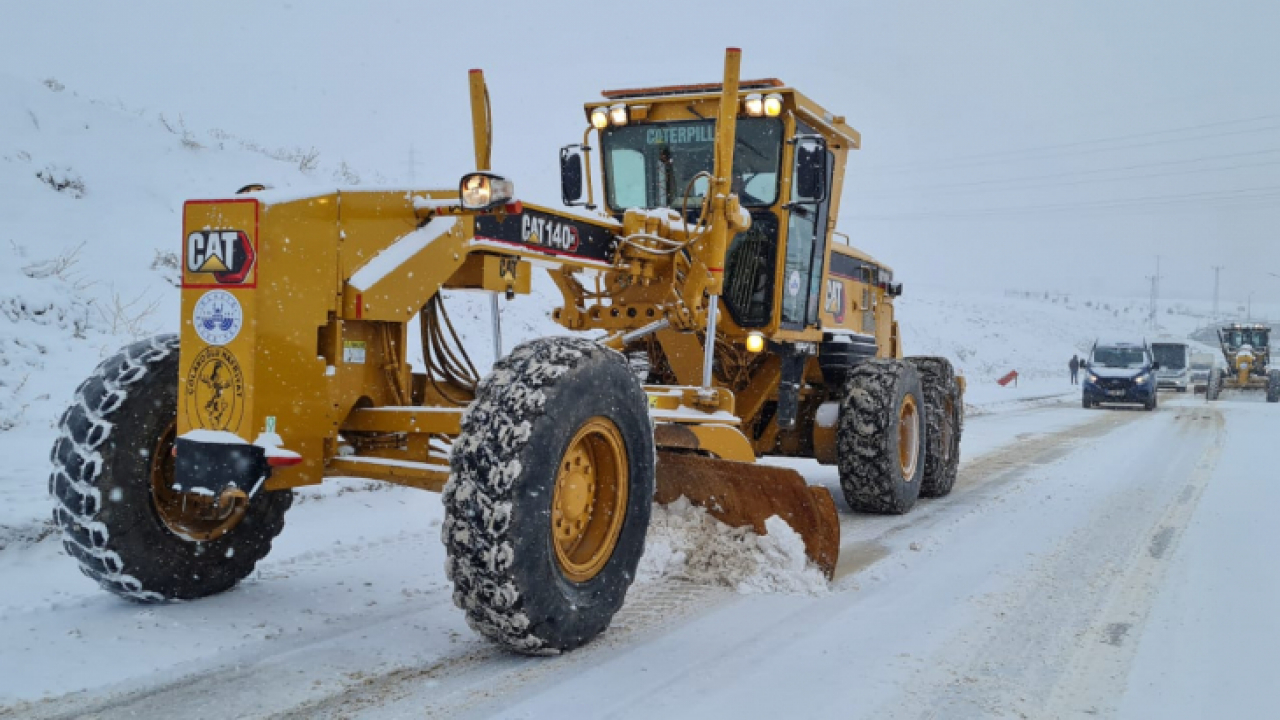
{"x":1119,"y":357}
{"x":1171,"y":356}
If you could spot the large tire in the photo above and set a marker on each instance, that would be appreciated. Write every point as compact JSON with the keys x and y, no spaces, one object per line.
{"x":102,"y":484}
{"x":878,"y":473}
{"x":1273,"y":386}
{"x":501,"y":515}
{"x":944,"y":414}
{"x":1214,"y":385}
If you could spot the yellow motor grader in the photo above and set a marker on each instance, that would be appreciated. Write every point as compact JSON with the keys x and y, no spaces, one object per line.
{"x":717,"y":319}
{"x":1247,"y":350}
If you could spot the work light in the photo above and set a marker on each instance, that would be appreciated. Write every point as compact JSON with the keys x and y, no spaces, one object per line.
{"x":599,"y":118}
{"x":484,"y":191}
{"x":618,"y":114}
{"x":754,"y":105}
{"x":773,"y":104}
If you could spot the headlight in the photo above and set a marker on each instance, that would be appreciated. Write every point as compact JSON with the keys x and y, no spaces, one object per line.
{"x":773,"y":104}
{"x":1141,"y":379}
{"x":754,"y":105}
{"x":618,"y":114}
{"x":484,"y":191}
{"x":1093,"y":378}
{"x":755,"y":342}
{"x":599,"y":118}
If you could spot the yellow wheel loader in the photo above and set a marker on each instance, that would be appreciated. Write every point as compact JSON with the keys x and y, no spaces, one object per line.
{"x":716,"y":317}
{"x":1247,"y":350}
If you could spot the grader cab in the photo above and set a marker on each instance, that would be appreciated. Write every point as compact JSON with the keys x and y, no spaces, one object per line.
{"x":728,"y":322}
{"x":1247,"y":350}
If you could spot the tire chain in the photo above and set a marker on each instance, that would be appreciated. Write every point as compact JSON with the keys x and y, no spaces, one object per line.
{"x":83,"y":428}
{"x":938,"y":379}
{"x":77,"y":467}
{"x":865,"y":469}
{"x":484,"y":464}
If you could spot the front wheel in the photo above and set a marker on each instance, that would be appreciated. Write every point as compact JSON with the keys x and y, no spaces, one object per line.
{"x":113,"y":472}
{"x":1273,"y":386}
{"x":880,"y":437}
{"x":548,"y":503}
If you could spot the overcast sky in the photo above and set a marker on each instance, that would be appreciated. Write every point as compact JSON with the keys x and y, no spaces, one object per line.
{"x":1014,"y":144}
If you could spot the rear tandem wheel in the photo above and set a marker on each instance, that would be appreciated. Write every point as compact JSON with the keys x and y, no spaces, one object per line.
{"x":944,"y":415}
{"x":881,"y":437}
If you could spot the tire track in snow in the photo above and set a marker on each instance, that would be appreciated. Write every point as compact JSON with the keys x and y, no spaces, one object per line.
{"x":482,"y":688}
{"x":1058,"y":639}
{"x":1096,"y":678}
{"x":476,"y":677}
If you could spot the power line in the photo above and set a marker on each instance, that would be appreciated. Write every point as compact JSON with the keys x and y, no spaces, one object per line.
{"x":1243,"y":194}
{"x":1047,"y":151}
{"x":1098,"y":171}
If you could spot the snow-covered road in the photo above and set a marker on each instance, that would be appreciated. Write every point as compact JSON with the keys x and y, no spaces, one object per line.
{"x":1089,"y":563}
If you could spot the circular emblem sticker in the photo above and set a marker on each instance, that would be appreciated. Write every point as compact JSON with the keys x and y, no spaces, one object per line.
{"x":215,"y":390}
{"x":793,"y":283}
{"x":217,"y":317}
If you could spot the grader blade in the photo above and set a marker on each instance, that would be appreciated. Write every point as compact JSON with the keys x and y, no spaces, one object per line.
{"x":746,"y":494}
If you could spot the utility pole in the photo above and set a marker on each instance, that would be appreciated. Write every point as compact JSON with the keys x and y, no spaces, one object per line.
{"x":1216,"y":270}
{"x":1155,"y":297}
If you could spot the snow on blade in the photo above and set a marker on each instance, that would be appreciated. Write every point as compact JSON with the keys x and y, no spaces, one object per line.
{"x":686,"y":542}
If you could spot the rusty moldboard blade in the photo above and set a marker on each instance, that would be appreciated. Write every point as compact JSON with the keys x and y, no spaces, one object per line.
{"x":746,"y":494}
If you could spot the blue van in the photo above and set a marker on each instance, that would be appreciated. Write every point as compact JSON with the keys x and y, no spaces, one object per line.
{"x":1120,"y":372}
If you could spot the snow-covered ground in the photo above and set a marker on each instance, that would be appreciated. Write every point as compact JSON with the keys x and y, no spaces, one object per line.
{"x":1089,"y":563}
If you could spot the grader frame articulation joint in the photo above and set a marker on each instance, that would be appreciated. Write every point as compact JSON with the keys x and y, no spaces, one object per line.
{"x":733,"y":326}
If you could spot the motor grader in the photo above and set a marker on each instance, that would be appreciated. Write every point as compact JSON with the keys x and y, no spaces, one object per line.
{"x":1247,"y":350}
{"x":716,"y":318}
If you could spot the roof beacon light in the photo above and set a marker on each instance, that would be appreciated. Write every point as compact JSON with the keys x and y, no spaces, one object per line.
{"x":618,"y":115}
{"x":773,"y":104}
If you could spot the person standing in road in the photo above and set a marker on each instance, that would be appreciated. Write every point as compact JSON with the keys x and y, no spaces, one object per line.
{"x":1074,"y":365}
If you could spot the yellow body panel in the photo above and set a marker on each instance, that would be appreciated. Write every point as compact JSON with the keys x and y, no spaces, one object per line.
{"x":325,"y":305}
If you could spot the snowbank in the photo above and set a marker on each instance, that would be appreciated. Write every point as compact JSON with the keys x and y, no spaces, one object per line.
{"x":685,"y":542}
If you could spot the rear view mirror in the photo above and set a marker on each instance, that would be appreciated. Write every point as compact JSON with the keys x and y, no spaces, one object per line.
{"x":809,"y":179}
{"x":572,"y":175}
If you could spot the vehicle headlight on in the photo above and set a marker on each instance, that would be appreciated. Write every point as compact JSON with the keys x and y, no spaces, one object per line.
{"x":1093,"y":378}
{"x":755,"y":342}
{"x":484,"y":191}
{"x":1142,"y":379}
{"x":618,"y":115}
{"x":599,"y":118}
{"x":754,"y":105}
{"x":773,"y":104}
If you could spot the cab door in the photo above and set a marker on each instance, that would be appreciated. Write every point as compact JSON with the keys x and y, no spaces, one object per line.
{"x":807,"y":238}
